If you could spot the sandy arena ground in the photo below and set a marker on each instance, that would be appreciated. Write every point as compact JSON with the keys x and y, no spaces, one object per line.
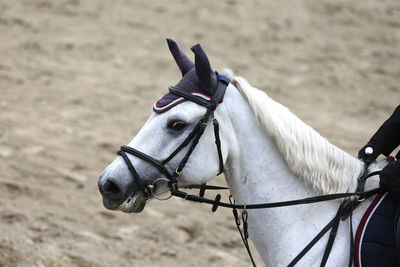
{"x":78,"y":79}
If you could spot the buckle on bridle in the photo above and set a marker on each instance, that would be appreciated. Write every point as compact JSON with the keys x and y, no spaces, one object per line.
{"x":178,"y":172}
{"x":361,"y":199}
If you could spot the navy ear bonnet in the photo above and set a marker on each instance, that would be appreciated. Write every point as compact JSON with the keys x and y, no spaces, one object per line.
{"x":198,"y":79}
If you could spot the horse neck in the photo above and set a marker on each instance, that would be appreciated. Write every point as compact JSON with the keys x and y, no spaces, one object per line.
{"x":257,"y":172}
{"x":255,"y":165}
{"x":318,"y":163}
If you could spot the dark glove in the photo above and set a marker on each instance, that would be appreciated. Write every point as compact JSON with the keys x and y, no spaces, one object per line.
{"x":369,"y":152}
{"x":390,"y":178}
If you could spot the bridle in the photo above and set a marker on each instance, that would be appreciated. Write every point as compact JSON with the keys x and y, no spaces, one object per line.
{"x":193,"y":137}
{"x":350,"y":202}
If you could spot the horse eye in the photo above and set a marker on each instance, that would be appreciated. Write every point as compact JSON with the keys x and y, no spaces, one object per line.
{"x":177,"y":126}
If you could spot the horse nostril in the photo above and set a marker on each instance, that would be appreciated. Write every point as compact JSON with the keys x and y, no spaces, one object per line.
{"x":111,"y":187}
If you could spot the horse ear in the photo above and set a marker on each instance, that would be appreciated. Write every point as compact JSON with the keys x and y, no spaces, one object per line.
{"x":184,"y":63}
{"x":203,"y":66}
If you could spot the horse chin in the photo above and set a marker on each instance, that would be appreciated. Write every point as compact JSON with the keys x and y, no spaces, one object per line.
{"x":134,"y":203}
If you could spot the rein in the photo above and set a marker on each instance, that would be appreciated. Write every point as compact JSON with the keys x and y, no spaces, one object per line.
{"x":345,"y":210}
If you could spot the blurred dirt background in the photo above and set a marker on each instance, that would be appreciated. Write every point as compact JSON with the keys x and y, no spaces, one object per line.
{"x":78,"y":79}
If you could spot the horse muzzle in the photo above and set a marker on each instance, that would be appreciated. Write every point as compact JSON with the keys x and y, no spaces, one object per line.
{"x":115,"y":187}
{"x":115,"y":197}
{"x":120,"y":192}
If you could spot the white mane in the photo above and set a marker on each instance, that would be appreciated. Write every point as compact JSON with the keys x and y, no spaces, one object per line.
{"x":320,"y":164}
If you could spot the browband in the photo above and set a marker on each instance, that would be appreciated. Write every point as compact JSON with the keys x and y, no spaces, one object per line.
{"x":215,"y":99}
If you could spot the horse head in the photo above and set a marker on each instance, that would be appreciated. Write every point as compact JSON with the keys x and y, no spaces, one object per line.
{"x":165,"y":150}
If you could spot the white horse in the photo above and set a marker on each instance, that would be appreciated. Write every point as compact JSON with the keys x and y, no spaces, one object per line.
{"x":269,"y":155}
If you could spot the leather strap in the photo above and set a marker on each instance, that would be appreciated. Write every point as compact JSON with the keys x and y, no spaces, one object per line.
{"x":243,"y":235}
{"x":143,"y":156}
{"x":183,"y":144}
{"x":332,"y":235}
{"x":132,"y":170}
{"x":303,"y":201}
{"x":397,"y":232}
{"x":218,"y":144}
{"x":196,"y":99}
